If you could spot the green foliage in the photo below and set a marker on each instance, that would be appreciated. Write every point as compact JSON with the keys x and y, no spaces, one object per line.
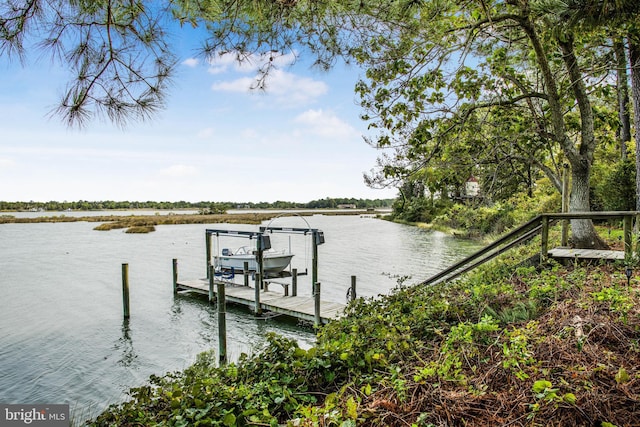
{"x":483,"y":220}
{"x":497,"y":331}
{"x":617,"y":190}
{"x":419,"y":209}
{"x":517,"y":350}
{"x":616,"y":298}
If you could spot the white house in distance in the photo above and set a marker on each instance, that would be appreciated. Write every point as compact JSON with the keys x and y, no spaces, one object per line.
{"x":472,"y":187}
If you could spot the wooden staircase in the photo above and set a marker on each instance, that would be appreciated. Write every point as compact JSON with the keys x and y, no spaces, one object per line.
{"x":539,"y":225}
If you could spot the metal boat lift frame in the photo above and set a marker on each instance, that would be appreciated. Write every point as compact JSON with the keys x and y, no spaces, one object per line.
{"x":263,"y":242}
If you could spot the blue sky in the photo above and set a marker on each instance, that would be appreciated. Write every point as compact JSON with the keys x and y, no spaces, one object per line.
{"x":217,"y":140}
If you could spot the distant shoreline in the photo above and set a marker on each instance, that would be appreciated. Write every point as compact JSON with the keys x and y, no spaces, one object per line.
{"x":147,"y":222}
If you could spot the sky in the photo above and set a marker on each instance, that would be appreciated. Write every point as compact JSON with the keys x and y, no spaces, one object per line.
{"x":216,"y":140}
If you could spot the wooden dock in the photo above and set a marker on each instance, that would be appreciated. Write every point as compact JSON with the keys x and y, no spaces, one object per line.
{"x":303,"y":308}
{"x":572,"y":253}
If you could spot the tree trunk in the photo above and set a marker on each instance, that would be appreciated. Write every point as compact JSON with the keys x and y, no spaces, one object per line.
{"x":634,"y":59}
{"x":622,"y":84}
{"x":583,"y":233}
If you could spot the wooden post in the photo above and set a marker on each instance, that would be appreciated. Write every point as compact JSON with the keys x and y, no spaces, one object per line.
{"x":314,"y":261}
{"x":257,"y":309}
{"x":259,"y":259}
{"x":125,"y":290}
{"x":353,"y":288}
{"x":627,"y":226}
{"x":211,"y":276}
{"x":316,"y":303}
{"x":245,"y":270}
{"x":222,"y":325}
{"x":208,"y":250}
{"x":636,"y":233}
{"x":565,"y":205}
{"x":175,"y":276}
{"x":294,"y":282}
{"x":544,"y":237}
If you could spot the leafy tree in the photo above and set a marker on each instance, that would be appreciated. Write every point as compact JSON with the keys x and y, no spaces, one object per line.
{"x":438,"y":72}
{"x":621,"y":18}
{"x":464,"y":63}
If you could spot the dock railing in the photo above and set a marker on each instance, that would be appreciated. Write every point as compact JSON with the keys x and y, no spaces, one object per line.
{"x":538,"y":225}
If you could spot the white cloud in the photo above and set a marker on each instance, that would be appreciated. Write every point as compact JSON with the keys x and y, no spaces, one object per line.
{"x":287,"y":89}
{"x":191,"y":62}
{"x":242,"y":84}
{"x":249,"y":63}
{"x":283,"y":88}
{"x":326,"y":124}
{"x":179,"y":171}
{"x":216,"y":70}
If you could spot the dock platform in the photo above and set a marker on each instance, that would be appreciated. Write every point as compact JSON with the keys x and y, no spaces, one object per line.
{"x":572,"y":253}
{"x":298,"y":307}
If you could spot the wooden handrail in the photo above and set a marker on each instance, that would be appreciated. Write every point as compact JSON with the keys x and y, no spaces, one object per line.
{"x":535,"y":223}
{"x":539,"y":224}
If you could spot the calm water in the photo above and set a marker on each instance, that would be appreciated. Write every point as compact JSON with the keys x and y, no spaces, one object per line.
{"x":62,"y":336}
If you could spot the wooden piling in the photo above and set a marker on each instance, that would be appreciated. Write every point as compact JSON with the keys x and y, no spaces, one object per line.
{"x":207,"y":247}
{"x":211,"y":275}
{"x":175,"y":276}
{"x":627,"y":222}
{"x":353,"y":288}
{"x":544,"y":239}
{"x":257,"y":309}
{"x":294,"y":282}
{"x":316,"y":303}
{"x":314,"y":260}
{"x":246,"y":273}
{"x":125,"y":290}
{"x":222,"y":325}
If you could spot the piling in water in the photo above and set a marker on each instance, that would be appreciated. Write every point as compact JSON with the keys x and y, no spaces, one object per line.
{"x":257,"y":309}
{"x":125,"y":290}
{"x":222,"y":325}
{"x":294,"y":282}
{"x":352,"y":293}
{"x":175,"y":276}
{"x":316,"y":303}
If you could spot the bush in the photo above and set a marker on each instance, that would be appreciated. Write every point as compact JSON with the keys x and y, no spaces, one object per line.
{"x":617,"y":191}
{"x":419,"y":209}
{"x":482,"y":220}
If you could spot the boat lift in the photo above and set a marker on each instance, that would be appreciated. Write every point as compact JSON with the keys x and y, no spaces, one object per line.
{"x":317,"y":239}
{"x":263,"y":242}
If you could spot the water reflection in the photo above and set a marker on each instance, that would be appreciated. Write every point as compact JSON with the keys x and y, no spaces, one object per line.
{"x":124,"y":346}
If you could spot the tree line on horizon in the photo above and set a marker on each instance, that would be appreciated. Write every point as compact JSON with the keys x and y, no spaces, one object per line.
{"x":202,"y":206}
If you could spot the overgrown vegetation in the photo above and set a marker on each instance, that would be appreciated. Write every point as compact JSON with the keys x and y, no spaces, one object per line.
{"x":510,"y":344}
{"x":480,"y":217}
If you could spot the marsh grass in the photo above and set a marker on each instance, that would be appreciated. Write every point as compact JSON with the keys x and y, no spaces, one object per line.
{"x":114,"y":222}
{"x":140,"y":229}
